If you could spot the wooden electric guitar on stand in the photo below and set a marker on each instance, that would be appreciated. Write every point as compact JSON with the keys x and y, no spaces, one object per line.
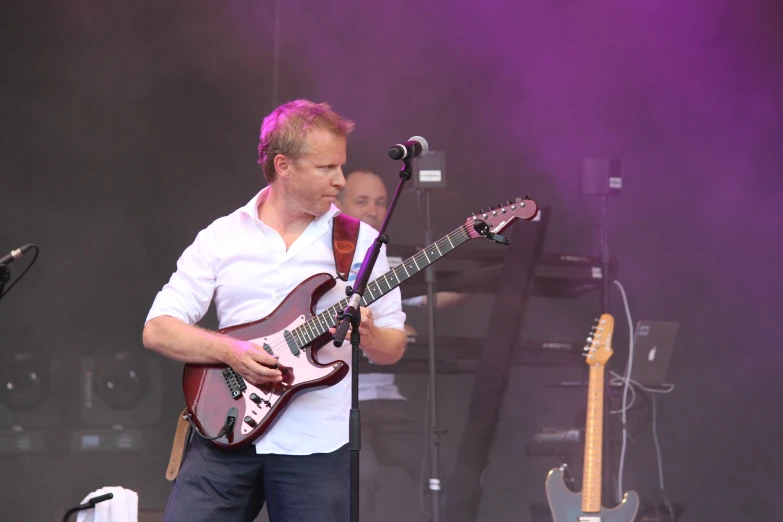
{"x":566,"y":505}
{"x":231,"y":412}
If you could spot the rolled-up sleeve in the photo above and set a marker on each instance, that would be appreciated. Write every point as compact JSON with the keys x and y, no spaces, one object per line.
{"x":189,"y":292}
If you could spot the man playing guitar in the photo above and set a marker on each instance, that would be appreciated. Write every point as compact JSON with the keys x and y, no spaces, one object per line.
{"x":248,"y":262}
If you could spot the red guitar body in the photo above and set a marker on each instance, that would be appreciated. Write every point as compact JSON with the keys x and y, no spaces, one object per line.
{"x":208,"y":394}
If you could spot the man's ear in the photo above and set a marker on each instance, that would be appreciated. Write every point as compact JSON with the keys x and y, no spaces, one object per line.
{"x":282,"y":165}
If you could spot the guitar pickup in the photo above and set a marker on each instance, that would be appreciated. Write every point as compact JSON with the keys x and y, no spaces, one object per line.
{"x":291,"y":343}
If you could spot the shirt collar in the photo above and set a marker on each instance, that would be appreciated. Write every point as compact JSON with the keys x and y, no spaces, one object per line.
{"x":251,"y":209}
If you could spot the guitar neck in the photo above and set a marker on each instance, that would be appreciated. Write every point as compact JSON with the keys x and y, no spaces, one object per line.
{"x":381,"y":286}
{"x":591,"y":476}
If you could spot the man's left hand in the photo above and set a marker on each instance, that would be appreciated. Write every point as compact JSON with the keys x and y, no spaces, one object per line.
{"x":366,"y":328}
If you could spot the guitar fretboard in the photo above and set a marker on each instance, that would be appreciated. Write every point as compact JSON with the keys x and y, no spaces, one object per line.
{"x":591,"y":475}
{"x":307,"y":332}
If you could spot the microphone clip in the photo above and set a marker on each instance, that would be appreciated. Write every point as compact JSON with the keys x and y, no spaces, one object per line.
{"x":483,"y":230}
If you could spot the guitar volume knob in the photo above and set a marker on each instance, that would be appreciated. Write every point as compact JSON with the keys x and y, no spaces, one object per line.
{"x":250,"y":421}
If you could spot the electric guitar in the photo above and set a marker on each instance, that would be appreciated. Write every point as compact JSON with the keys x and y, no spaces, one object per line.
{"x":566,"y":505}
{"x":231,"y":412}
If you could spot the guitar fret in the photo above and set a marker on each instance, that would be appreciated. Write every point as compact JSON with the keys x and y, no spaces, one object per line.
{"x":439,"y":252}
{"x":449,"y":238}
{"x":296,"y":340}
{"x":320,"y":323}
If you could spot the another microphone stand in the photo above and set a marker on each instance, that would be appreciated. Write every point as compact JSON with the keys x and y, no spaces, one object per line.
{"x":352,"y":317}
{"x":5,"y":276}
{"x":435,"y":431}
{"x":610,"y":498}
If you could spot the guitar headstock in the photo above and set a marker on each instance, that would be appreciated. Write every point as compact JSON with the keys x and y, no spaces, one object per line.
{"x":599,"y":347}
{"x":499,"y":218}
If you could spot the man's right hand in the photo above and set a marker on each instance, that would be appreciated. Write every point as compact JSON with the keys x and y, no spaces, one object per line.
{"x":253,"y":363}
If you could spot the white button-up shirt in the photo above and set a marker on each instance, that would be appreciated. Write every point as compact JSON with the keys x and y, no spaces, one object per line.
{"x":244,"y":265}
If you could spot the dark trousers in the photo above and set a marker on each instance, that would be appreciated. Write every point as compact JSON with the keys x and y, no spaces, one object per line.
{"x":390,"y":437}
{"x":232,"y":485}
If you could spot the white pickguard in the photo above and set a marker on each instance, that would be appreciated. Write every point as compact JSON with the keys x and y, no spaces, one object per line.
{"x":303,"y":372}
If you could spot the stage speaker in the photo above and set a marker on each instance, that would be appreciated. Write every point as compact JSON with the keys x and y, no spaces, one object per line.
{"x":31,"y":390}
{"x":601,"y":176}
{"x":120,"y":395}
{"x":429,"y":171}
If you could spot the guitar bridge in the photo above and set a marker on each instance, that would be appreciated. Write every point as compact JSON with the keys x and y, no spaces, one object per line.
{"x":235,"y":382}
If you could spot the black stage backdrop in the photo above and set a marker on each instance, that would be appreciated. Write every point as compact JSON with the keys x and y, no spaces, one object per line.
{"x":125,"y":129}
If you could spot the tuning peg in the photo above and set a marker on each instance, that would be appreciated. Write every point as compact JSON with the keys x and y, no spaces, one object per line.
{"x":527,"y":196}
{"x":491,"y":207}
{"x":508,"y":202}
{"x":589,"y":339}
{"x":481,"y":211}
{"x":595,"y":320}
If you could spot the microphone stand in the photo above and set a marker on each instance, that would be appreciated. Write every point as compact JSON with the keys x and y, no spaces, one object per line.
{"x":5,"y":276}
{"x":352,"y":317}
{"x":435,"y":432}
{"x":610,"y":498}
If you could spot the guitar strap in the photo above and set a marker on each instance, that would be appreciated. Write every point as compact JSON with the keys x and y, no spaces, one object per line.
{"x":345,"y":234}
{"x":181,"y":435}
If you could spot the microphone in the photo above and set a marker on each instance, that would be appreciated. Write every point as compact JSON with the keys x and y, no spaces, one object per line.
{"x":15,"y":254}
{"x":96,"y":500}
{"x":413,"y":148}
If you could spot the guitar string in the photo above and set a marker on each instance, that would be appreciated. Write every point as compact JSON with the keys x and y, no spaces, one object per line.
{"x":314,"y":324}
{"x":299,"y":333}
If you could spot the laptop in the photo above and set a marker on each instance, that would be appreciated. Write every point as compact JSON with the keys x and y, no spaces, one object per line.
{"x":652,"y":349}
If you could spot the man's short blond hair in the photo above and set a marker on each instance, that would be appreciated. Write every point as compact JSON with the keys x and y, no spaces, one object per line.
{"x":285,"y":129}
